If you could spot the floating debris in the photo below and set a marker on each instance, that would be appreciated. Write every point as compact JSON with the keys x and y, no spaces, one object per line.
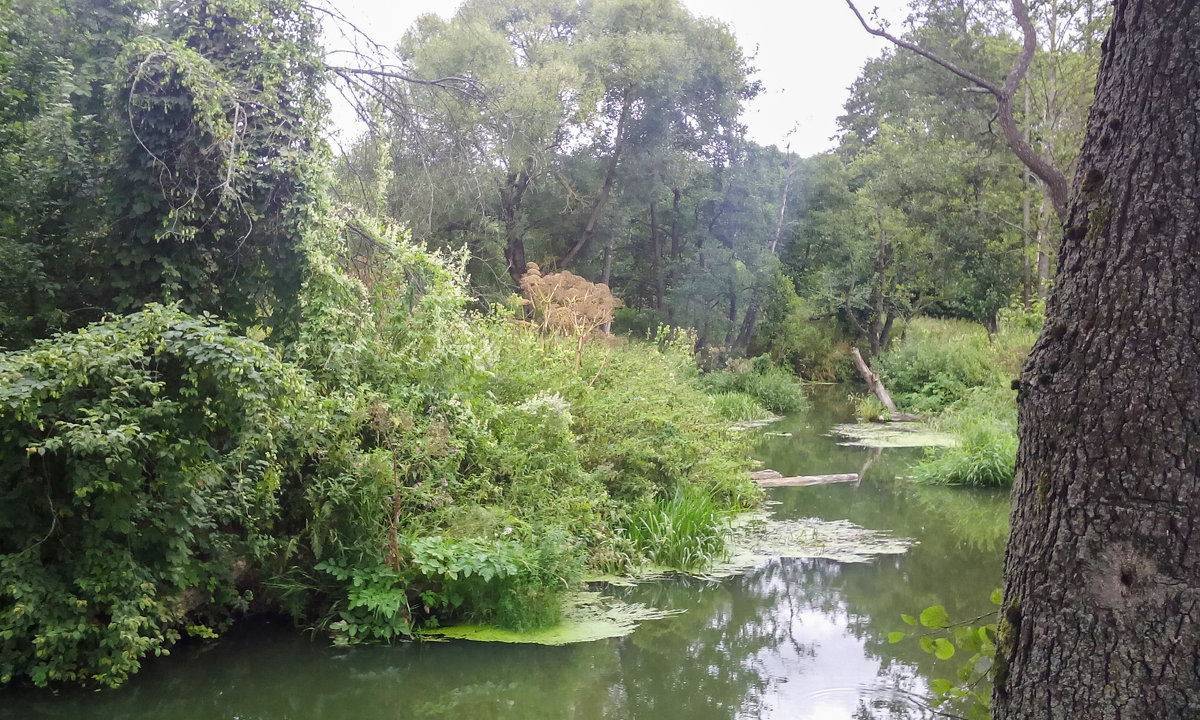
{"x":893,"y":435}
{"x":754,"y":539}
{"x":773,"y":478}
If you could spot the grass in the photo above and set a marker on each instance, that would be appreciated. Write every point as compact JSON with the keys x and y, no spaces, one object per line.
{"x":772,"y":388}
{"x":738,"y":406}
{"x":956,"y":371}
{"x":985,"y":422}
{"x":867,"y":408}
{"x":685,"y":531}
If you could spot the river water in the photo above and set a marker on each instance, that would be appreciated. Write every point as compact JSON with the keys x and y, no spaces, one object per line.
{"x":794,"y":639}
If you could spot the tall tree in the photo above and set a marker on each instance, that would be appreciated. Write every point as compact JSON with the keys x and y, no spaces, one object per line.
{"x":1101,"y":614}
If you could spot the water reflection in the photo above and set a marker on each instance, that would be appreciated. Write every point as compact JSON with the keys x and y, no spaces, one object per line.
{"x":793,"y":639}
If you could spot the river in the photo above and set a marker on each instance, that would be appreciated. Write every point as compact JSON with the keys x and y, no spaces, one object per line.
{"x":794,"y":639}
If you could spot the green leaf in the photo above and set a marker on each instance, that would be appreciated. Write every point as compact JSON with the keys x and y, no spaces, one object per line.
{"x":909,"y":619}
{"x":997,"y":596}
{"x":895,"y":637}
{"x":941,"y":686}
{"x":979,"y":712}
{"x":943,"y":649}
{"x":927,"y":645}
{"x":935,"y":617}
{"x":967,"y":639}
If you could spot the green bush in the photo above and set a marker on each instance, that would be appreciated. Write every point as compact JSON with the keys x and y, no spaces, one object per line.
{"x":141,"y":465}
{"x":936,"y":364}
{"x":791,"y":337}
{"x":640,"y":323}
{"x":513,"y":584}
{"x":153,"y":469}
{"x":774,"y":389}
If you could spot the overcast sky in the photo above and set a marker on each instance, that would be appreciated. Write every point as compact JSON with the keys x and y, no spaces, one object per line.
{"x":807,"y":52}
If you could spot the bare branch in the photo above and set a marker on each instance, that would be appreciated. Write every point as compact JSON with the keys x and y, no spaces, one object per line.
{"x":461,"y":84}
{"x":1056,"y":184}
{"x":964,"y":74}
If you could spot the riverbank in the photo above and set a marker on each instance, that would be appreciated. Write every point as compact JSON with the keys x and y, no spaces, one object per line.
{"x":790,"y":639}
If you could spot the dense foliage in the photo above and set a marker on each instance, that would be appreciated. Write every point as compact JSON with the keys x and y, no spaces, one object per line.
{"x":240,"y":375}
{"x":604,"y":138}
{"x":341,"y":438}
{"x":964,"y":375}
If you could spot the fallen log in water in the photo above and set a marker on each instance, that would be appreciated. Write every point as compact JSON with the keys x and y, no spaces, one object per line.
{"x":771,"y":478}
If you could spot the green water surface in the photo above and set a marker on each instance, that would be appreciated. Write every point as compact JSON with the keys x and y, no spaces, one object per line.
{"x":791,"y":639}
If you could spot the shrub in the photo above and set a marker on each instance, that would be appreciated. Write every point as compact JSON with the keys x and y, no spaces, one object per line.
{"x":510,"y":583}
{"x":454,"y":467}
{"x":141,"y":467}
{"x":639,"y":323}
{"x":774,"y":389}
{"x":791,"y":337}
{"x":937,"y":363}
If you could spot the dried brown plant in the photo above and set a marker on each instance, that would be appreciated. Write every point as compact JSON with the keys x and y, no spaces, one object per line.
{"x":565,"y":303}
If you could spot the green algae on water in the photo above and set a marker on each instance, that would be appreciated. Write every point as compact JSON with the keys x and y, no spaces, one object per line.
{"x":756,"y":538}
{"x":752,"y":424}
{"x":893,"y":435}
{"x":587,"y":616}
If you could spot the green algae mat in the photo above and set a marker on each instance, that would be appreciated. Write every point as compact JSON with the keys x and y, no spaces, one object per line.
{"x":892,"y":435}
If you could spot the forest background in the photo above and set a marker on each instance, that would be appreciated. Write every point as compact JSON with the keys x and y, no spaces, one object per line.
{"x":245,"y":374}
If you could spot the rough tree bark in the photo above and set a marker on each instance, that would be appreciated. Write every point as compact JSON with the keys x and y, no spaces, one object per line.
{"x":1101,"y":613}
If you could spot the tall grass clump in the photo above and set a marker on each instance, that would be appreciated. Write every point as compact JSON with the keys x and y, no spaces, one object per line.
{"x":684,"y":531}
{"x":985,"y":421}
{"x":867,"y":408}
{"x":738,"y":407}
{"x":771,"y":387}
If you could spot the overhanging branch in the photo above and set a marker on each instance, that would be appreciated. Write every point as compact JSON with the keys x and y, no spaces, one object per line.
{"x":1056,"y":184}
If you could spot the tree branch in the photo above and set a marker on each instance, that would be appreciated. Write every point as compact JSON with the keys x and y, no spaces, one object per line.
{"x":453,"y":81}
{"x":1057,"y":187}
{"x":964,"y":74}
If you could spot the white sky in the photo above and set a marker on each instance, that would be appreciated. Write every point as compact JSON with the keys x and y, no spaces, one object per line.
{"x":807,"y":52}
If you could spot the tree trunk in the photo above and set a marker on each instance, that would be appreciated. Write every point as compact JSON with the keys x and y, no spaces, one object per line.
{"x":1101,"y":612}
{"x":656,"y":257}
{"x":731,"y":293}
{"x":676,"y":241}
{"x":1043,"y":253}
{"x":511,"y":196}
{"x":873,"y":382}
{"x":883,"y":261}
{"x":610,"y":178}
{"x":749,"y":323}
{"x":606,"y":268}
{"x":1026,"y":255}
